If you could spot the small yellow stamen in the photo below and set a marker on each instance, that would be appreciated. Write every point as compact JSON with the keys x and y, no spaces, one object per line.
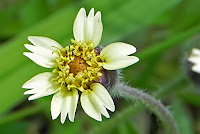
{"x":78,"y":66}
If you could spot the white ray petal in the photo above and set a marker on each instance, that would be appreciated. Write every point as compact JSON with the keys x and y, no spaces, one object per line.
{"x":196,"y":68}
{"x":41,"y":56}
{"x":42,"y":51}
{"x":79,"y":25}
{"x":39,"y":95}
{"x":196,"y":52}
{"x":89,"y":26}
{"x":47,"y":62}
{"x":97,"y":102}
{"x":103,"y":95}
{"x":98,"y":29}
{"x":56,"y":103}
{"x":115,"y":50}
{"x":69,"y":104}
{"x":40,"y":80}
{"x":195,"y":56}
{"x":73,"y":105}
{"x":88,"y":107}
{"x":66,"y":100}
{"x":121,"y":62}
{"x":40,"y":86}
{"x":29,"y":92}
{"x":194,"y":60}
{"x":44,"y":42}
{"x":93,"y":28}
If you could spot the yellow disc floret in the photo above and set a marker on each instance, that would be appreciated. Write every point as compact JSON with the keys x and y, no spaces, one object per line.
{"x":78,"y":66}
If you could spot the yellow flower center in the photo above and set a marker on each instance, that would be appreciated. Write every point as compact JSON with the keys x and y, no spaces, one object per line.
{"x":78,"y":66}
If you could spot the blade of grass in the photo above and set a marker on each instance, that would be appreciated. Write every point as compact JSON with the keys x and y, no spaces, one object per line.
{"x":20,"y":114}
{"x":173,"y":41}
{"x":182,"y":118}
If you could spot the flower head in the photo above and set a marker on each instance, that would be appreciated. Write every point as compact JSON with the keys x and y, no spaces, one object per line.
{"x":195,"y":59}
{"x":78,"y":69}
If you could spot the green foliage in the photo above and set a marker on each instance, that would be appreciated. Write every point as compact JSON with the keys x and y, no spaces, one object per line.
{"x":182,"y":118}
{"x":14,"y":128}
{"x":163,"y":31}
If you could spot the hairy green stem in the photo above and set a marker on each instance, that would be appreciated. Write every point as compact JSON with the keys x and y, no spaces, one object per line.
{"x":157,"y":107}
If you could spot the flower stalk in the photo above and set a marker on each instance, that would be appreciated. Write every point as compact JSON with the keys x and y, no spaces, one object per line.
{"x":157,"y":107}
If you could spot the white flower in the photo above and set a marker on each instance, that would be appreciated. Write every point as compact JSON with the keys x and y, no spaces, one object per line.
{"x":77,"y":68}
{"x":195,"y":59}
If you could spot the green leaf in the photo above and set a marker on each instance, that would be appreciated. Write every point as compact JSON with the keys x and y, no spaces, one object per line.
{"x":130,"y":16}
{"x":185,"y":15}
{"x":191,"y":97}
{"x":127,"y":128}
{"x":10,"y":23}
{"x":14,"y":128}
{"x":182,"y":118}
{"x":33,"y":11}
{"x":173,"y":41}
{"x":20,"y":114}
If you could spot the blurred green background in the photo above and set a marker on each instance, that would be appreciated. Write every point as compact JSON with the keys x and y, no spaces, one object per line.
{"x":163,"y":31}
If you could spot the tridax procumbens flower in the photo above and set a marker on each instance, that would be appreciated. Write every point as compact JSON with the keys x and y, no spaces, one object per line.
{"x":195,"y":59}
{"x":78,"y":69}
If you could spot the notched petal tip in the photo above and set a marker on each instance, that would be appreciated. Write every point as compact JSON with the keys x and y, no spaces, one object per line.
{"x":116,"y":56}
{"x":53,"y":117}
{"x":30,"y":37}
{"x":26,"y":45}
{"x":26,"y":53}
{"x":32,"y":97}
{"x":56,"y":104}
{"x":196,"y":51}
{"x":62,"y":120}
{"x":47,"y":62}
{"x":117,"y":50}
{"x":135,"y":58}
{"x":194,"y":56}
{"x":88,"y":106}
{"x":101,"y":92}
{"x":119,"y":63}
{"x":33,"y":38}
{"x":112,"y":109}
{"x":82,"y":10}
{"x":29,"y":92}
{"x":25,"y":85}
{"x":81,"y":13}
{"x":79,"y":25}
{"x":71,"y":120}
{"x":98,"y":16}
{"x":91,"y":13}
{"x":44,"y":42}
{"x":196,"y":68}
{"x":88,"y":28}
{"x":100,"y":119}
